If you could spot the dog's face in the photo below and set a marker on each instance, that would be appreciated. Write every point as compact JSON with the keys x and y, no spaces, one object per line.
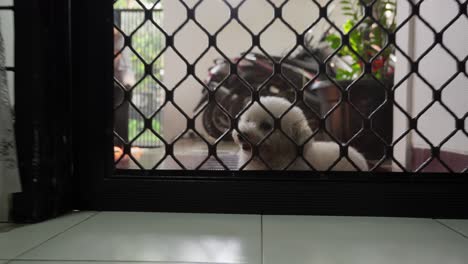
{"x":256,"y":124}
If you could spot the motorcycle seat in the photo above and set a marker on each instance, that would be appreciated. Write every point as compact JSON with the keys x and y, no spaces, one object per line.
{"x":309,"y":65}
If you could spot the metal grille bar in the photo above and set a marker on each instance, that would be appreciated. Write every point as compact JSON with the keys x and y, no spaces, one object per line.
{"x":353,"y":106}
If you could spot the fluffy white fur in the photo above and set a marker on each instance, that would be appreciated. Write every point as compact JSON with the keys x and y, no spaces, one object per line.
{"x":278,"y":151}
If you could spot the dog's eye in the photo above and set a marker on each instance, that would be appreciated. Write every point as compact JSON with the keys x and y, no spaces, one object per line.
{"x":265,"y":126}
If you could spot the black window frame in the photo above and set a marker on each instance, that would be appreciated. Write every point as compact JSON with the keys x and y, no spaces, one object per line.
{"x":81,"y":82}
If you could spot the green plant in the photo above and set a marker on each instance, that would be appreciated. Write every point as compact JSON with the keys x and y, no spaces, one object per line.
{"x":135,"y":126}
{"x":367,"y":38}
{"x":148,"y":42}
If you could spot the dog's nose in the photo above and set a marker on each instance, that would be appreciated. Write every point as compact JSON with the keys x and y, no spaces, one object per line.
{"x":244,"y":136}
{"x":241,"y":138}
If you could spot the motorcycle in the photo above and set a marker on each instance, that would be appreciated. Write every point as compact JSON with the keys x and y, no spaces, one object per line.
{"x":255,"y":72}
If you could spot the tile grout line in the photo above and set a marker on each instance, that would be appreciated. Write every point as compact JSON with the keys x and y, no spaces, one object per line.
{"x":54,"y":236}
{"x":450,"y":228}
{"x":120,"y":261}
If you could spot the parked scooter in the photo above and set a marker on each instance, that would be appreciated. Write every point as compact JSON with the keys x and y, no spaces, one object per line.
{"x":255,"y":72}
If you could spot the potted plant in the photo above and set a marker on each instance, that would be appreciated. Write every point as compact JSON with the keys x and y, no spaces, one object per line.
{"x":367,"y":41}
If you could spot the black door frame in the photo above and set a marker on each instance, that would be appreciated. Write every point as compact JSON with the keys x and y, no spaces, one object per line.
{"x":95,"y":185}
{"x":43,"y":109}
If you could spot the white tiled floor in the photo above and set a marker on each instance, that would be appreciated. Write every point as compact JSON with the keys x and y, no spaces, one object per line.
{"x":318,"y":239}
{"x":162,"y":238}
{"x":88,"y":262}
{"x":158,"y":237}
{"x":19,"y":240}
{"x":458,"y":225}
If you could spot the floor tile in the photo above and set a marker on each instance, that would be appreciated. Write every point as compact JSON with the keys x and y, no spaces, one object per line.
{"x":353,"y":240}
{"x":16,"y":241}
{"x":460,"y":225}
{"x":5,"y":227}
{"x":91,"y":262}
{"x":114,"y":236}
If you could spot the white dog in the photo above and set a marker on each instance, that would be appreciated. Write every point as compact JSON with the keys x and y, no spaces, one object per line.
{"x":278,"y":151}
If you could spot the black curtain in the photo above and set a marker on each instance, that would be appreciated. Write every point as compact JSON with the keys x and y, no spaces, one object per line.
{"x":43,"y":92}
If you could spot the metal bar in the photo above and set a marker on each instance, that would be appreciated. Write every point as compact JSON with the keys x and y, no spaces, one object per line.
{"x":148,"y":48}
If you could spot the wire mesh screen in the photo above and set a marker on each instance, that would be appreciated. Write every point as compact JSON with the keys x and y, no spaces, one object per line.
{"x":146,"y":95}
{"x":310,"y":85}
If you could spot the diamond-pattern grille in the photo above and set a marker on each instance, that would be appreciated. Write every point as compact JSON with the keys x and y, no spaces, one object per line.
{"x":385,"y":101}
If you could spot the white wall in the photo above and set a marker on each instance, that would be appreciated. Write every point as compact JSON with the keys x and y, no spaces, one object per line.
{"x":191,"y":41}
{"x":403,"y":93}
{"x":6,"y":20}
{"x":437,"y":67}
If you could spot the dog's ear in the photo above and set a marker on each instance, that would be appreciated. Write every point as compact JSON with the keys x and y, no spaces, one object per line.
{"x":301,"y":131}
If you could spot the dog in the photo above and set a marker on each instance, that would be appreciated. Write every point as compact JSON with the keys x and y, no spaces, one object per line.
{"x":278,"y":149}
